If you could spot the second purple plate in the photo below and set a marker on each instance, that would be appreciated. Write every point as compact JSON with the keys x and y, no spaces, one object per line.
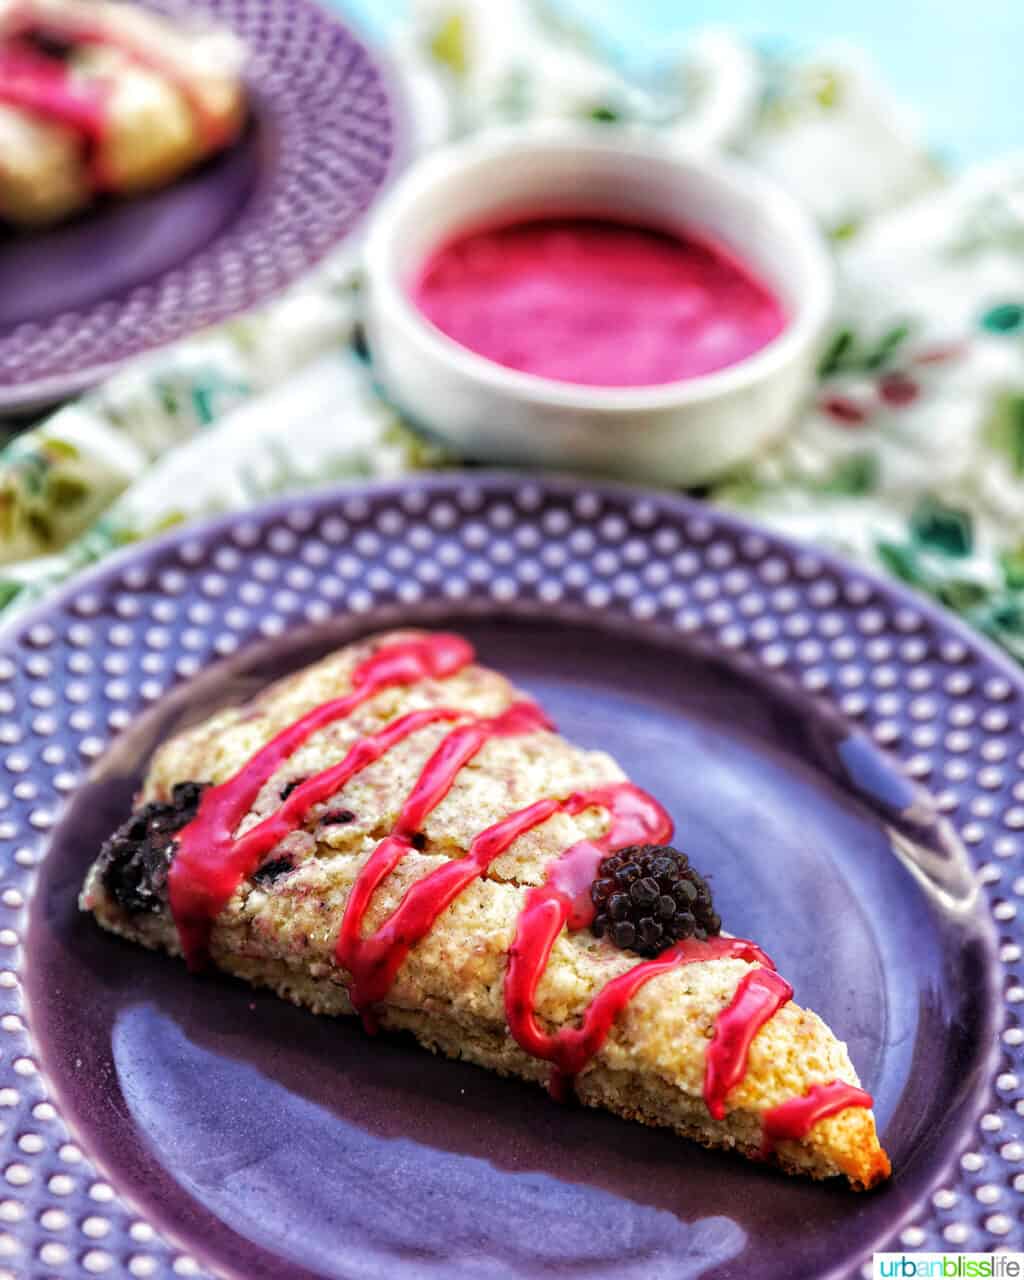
{"x":130,"y":275}
{"x":844,"y":759}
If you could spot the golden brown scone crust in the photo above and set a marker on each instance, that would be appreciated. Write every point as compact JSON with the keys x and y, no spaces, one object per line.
{"x":42,"y":172}
{"x":449,"y":992}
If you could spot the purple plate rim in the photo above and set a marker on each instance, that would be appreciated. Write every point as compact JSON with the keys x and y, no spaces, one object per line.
{"x":558,"y":481}
{"x":920,"y":1220}
{"x":24,"y":399}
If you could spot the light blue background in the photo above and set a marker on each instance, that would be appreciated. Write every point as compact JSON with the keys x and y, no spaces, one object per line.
{"x":956,"y":62}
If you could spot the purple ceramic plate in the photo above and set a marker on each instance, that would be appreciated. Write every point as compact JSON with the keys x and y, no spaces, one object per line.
{"x":845,"y":760}
{"x":132,"y":275}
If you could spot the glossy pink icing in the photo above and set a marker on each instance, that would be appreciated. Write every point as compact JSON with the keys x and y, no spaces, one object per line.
{"x":602,"y":303}
{"x":44,"y":88}
{"x":211,"y":862}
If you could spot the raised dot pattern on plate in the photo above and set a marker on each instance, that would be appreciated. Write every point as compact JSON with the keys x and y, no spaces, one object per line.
{"x":946,"y":710}
{"x":323,"y":99}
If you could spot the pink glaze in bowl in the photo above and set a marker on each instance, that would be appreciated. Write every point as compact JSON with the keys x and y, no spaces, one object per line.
{"x":597,"y":302}
{"x":475,"y":389}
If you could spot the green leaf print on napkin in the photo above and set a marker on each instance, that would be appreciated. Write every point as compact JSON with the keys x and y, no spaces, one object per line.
{"x":1004,"y":429}
{"x":852,"y":476}
{"x":45,"y":491}
{"x":996,"y":610}
{"x":940,"y":528}
{"x":1005,"y":317}
{"x":849,"y":353}
{"x":1011,"y":561}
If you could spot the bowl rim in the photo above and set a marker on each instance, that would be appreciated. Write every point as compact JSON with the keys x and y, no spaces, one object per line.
{"x":389,"y":295}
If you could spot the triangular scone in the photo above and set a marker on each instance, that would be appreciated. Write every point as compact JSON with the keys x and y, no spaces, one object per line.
{"x":429,"y":740}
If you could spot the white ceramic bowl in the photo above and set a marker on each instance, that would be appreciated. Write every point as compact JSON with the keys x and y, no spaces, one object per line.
{"x":675,"y":433}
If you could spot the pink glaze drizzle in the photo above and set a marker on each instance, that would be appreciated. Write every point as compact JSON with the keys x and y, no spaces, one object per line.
{"x":759,"y":996}
{"x":210,"y":863}
{"x":433,"y":784}
{"x":792,"y":1120}
{"x":377,"y":957}
{"x":43,"y":87}
{"x":571,"y":1048}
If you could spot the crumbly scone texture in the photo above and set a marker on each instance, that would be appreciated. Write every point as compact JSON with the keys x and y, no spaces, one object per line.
{"x":449,"y":991}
